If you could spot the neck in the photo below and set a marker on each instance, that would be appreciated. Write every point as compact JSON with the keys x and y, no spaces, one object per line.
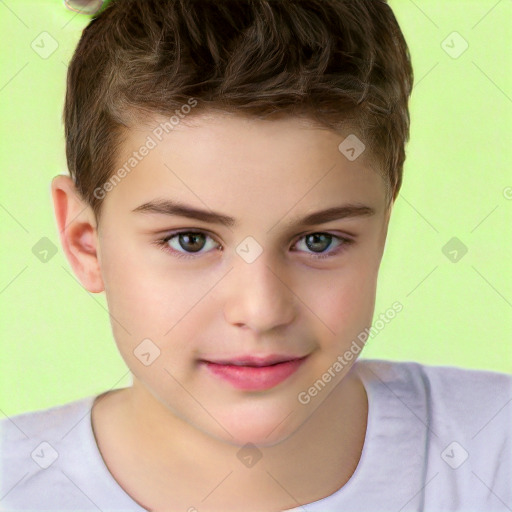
{"x":171,"y":460}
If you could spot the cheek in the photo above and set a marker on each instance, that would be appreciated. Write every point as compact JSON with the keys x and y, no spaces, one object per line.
{"x":144,"y":307}
{"x":139,"y":300}
{"x":149,"y":297}
{"x":344,"y":301}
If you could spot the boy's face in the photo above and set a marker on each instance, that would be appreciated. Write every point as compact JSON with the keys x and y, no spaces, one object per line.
{"x":252,"y":288}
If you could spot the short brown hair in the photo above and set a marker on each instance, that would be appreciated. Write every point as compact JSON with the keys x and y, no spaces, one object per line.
{"x":339,"y":63}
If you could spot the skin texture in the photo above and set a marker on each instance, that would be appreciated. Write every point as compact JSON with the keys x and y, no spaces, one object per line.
{"x":173,"y":437}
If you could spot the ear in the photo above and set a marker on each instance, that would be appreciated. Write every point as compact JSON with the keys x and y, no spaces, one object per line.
{"x":78,"y":232}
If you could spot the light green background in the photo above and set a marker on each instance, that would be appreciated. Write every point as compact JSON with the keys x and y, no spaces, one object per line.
{"x":57,"y":344}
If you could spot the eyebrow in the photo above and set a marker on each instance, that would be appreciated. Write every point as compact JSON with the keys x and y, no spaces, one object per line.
{"x":175,"y":208}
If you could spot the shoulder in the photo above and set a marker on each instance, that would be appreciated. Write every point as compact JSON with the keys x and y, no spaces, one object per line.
{"x":37,"y":448}
{"x":52,"y":423}
{"x":455,"y":400}
{"x":455,"y":423}
{"x":451,"y":384}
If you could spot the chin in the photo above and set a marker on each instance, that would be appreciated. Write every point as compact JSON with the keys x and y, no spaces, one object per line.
{"x":257,"y":427}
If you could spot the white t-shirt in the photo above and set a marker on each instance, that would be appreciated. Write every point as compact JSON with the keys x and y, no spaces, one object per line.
{"x":438,"y":439}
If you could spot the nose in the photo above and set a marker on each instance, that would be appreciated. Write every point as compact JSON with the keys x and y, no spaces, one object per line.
{"x":258,"y":296}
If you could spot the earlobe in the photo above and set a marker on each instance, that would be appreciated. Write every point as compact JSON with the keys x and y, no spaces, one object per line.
{"x":77,"y":232}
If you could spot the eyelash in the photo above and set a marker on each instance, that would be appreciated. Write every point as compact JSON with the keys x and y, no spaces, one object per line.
{"x":163,"y":244}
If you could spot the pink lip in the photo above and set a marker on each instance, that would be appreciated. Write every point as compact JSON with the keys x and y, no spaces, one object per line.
{"x":250,"y":360}
{"x":255,"y":373}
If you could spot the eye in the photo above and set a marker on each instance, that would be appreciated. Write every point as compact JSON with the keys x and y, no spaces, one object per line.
{"x":192,"y":242}
{"x":319,"y":241}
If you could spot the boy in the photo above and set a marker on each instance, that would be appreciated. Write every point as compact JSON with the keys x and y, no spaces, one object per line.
{"x":233,"y":169}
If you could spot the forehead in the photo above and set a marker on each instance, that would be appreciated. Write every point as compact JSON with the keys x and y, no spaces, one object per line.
{"x":236,"y":163}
